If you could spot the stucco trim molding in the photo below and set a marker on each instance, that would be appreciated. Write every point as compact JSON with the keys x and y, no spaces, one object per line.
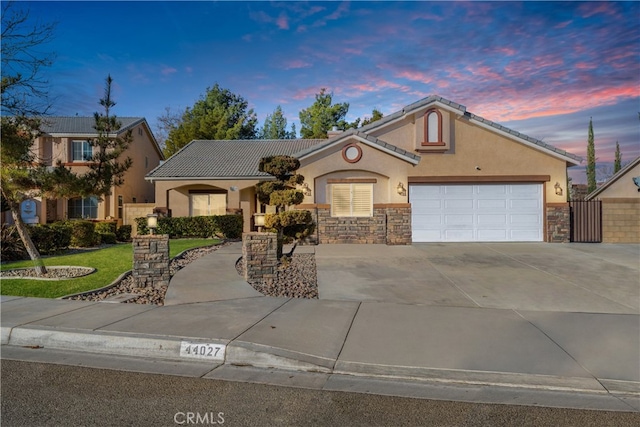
{"x":463,"y":179}
{"x":352,"y":181}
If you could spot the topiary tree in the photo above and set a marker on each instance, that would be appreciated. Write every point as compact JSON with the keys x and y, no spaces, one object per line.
{"x":282,"y":193}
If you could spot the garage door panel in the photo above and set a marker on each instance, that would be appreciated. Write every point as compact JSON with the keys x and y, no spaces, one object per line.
{"x":465,"y":204}
{"x":492,"y":235}
{"x":458,"y":190}
{"x":459,"y":220}
{"x":458,"y":235}
{"x":491,"y":220}
{"x":489,"y":204}
{"x":491,"y":190}
{"x":482,"y":212}
{"x":524,"y":204}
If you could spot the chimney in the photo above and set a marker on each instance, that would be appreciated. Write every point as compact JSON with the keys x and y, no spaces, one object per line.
{"x":333,"y":132}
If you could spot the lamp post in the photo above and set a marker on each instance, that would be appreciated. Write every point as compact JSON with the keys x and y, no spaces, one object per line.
{"x":258,"y":220}
{"x":152,"y":223}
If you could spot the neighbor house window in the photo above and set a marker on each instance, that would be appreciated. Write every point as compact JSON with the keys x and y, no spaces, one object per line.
{"x":120,"y":206}
{"x":204,"y":204}
{"x":432,"y":127}
{"x":83,"y":208}
{"x":352,"y":199}
{"x":81,"y":151}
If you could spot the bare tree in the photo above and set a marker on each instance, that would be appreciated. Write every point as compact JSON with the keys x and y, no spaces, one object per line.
{"x":24,"y":90}
{"x":168,"y":121}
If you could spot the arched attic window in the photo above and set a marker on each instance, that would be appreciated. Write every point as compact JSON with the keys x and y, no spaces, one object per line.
{"x":433,"y":128}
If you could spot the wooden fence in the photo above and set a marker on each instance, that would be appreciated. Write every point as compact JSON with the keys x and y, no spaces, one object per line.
{"x":586,"y":221}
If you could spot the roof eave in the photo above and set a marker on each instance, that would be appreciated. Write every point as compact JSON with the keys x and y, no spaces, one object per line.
{"x":613,"y":179}
{"x":356,"y":135}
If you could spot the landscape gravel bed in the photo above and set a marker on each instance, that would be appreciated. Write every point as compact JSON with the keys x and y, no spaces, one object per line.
{"x":296,"y":278}
{"x":53,"y":273}
{"x":146,"y":295}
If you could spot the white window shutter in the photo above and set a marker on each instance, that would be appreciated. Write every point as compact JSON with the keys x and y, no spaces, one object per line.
{"x":341,"y":200}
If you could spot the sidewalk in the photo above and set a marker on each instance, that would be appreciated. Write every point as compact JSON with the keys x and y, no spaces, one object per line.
{"x":590,"y":354}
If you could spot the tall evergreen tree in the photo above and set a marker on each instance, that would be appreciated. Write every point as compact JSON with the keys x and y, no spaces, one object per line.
{"x":617,"y":164}
{"x":591,"y":160}
{"x":322,"y":115}
{"x":275,"y":126}
{"x":219,"y":114}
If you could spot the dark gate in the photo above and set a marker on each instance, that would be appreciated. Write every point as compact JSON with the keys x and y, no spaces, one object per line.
{"x":586,"y":221}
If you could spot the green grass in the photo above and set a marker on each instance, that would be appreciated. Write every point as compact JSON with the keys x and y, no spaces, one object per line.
{"x":110,"y":263}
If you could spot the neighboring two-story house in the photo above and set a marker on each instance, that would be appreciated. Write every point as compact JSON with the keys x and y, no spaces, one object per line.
{"x":66,"y":139}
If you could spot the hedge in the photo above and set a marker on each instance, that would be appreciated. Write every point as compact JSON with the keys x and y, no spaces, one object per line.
{"x":229,"y":226}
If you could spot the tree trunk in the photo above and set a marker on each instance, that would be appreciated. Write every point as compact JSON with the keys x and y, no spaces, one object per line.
{"x":26,"y":239}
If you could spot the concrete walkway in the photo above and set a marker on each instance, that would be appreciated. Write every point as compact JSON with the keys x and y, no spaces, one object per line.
{"x":585,"y":359}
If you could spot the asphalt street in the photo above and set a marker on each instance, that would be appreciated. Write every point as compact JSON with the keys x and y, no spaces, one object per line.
{"x":37,"y":394}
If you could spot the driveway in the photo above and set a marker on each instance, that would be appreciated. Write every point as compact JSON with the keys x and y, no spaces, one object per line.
{"x":594,"y":278}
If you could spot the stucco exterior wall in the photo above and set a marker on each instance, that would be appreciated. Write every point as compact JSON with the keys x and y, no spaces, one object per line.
{"x":374,"y":164}
{"x":174,"y":195}
{"x":473,"y":146}
{"x":622,"y":187}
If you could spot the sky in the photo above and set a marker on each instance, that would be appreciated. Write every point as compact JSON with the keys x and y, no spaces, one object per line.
{"x":541,"y":68}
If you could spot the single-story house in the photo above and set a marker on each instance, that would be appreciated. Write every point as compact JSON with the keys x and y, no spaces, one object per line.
{"x":620,"y":197}
{"x":432,"y":172}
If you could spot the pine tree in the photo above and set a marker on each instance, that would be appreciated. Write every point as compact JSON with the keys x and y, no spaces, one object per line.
{"x":320,"y":117}
{"x":591,"y":160}
{"x":617,"y":164}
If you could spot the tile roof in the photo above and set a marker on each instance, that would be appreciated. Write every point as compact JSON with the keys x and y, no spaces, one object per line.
{"x":226,"y":158}
{"x":414,"y":158}
{"x":81,"y":125}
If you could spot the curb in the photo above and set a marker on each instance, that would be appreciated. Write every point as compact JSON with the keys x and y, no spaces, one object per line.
{"x":260,"y":356}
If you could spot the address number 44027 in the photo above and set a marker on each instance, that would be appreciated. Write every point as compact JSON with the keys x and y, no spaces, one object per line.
{"x":202,"y":351}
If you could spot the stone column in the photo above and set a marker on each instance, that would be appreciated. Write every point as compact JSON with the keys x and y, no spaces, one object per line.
{"x":151,"y":261}
{"x":260,"y":255}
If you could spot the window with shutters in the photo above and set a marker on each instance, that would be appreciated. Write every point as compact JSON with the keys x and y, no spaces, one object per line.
{"x":354,"y":200}
{"x":205,"y":204}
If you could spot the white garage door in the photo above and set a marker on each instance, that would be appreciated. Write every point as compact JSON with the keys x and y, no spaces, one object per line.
{"x":476,"y":213}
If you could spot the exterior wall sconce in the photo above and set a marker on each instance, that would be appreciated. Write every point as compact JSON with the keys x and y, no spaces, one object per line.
{"x":558,"y":189}
{"x":152,"y":223}
{"x":401,"y":190}
{"x":258,"y":220}
{"x":305,"y":189}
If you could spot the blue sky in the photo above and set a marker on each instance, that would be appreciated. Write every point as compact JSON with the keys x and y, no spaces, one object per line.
{"x":542,"y":68}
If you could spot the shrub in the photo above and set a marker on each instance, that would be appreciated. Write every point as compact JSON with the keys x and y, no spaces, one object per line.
{"x":50,"y":239}
{"x":108,"y":238}
{"x":61,"y":234}
{"x":106,"y":227}
{"x":229,"y":226}
{"x":83,"y":234}
{"x":11,"y":244}
{"x":123,"y":233}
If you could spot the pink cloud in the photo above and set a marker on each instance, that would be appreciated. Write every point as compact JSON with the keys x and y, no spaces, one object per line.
{"x":521,"y":106}
{"x":415,"y":76}
{"x":595,"y":8}
{"x":295,"y":64}
{"x":283,"y":21}
{"x":166,"y":71}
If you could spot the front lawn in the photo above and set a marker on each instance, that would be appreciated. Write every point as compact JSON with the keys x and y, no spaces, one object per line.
{"x":109,"y":262}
